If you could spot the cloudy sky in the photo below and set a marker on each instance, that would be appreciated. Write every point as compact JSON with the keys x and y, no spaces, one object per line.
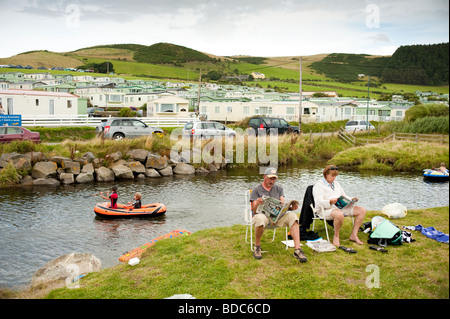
{"x":225,"y":27}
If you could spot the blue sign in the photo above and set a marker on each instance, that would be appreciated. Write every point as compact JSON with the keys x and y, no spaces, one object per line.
{"x":10,"y":120}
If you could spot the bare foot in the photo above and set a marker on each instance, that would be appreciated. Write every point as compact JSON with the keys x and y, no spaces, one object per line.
{"x":336,"y":241}
{"x":356,"y":240}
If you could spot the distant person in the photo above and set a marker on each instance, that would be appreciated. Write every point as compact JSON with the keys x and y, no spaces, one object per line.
{"x":2,"y":111}
{"x":268,"y":188}
{"x":443,"y":169}
{"x":136,"y":203}
{"x":113,"y":197}
{"x":326,"y":192}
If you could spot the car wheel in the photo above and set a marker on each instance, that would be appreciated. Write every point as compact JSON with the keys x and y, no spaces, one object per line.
{"x":118,"y":136}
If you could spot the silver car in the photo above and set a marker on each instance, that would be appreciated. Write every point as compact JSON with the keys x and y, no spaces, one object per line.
{"x":358,"y":126}
{"x":121,"y":127}
{"x":207,"y":129}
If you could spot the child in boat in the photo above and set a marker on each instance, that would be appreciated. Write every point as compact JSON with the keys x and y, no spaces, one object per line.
{"x":136,"y":203}
{"x":443,"y":169}
{"x":113,"y":197}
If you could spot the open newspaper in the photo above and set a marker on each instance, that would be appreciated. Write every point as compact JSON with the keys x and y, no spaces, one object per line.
{"x":273,"y":208}
{"x":344,"y":202}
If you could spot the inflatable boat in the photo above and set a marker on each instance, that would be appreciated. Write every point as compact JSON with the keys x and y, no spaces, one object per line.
{"x":137,"y":252}
{"x":105,"y":210}
{"x":434,"y":176}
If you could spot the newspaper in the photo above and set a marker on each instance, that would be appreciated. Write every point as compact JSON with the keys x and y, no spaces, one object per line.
{"x":344,"y":202}
{"x":273,"y":208}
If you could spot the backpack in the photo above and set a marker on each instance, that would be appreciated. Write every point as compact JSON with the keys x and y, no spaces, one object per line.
{"x":383,"y":232}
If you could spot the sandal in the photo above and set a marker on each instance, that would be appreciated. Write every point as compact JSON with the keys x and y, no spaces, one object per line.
{"x":257,"y":252}
{"x":378,"y":249}
{"x":348,"y":250}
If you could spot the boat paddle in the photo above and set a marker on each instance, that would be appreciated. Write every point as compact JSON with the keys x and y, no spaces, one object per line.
{"x":87,"y":196}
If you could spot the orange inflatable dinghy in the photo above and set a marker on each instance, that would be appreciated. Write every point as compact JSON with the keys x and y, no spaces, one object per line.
{"x":137,"y":252}
{"x":105,"y":210}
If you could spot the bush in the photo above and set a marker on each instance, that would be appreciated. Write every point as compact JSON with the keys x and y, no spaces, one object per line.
{"x":423,"y":110}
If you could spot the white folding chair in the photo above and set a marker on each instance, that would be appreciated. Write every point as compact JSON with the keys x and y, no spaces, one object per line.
{"x":319,"y":216}
{"x":248,"y":215}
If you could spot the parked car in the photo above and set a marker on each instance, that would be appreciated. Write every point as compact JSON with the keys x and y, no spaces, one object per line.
{"x":18,"y":133}
{"x":206,"y":129}
{"x":126,"y":127}
{"x":358,"y":126}
{"x":270,"y":125}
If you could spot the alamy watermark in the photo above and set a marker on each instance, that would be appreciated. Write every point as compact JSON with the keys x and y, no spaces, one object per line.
{"x":244,"y":147}
{"x":373,"y":280}
{"x":372,"y":16}
{"x":73,"y":16}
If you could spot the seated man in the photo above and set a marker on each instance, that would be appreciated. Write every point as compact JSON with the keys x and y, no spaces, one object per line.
{"x":326,"y":192}
{"x":268,"y":188}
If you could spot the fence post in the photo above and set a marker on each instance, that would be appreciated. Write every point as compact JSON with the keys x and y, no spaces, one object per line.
{"x":393,"y":137}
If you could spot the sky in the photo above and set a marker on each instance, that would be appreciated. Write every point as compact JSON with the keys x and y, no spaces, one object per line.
{"x":266,"y":28}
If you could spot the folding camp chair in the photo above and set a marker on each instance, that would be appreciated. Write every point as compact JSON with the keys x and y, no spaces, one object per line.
{"x":319,"y":216}
{"x":248,"y":215}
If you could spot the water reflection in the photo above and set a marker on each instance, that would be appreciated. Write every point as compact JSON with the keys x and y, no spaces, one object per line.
{"x":38,"y":224}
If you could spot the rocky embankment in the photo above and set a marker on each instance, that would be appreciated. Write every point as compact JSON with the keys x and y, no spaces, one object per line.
{"x":136,"y":164}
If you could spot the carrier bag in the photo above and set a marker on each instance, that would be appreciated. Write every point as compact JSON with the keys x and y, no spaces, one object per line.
{"x":384,"y":233}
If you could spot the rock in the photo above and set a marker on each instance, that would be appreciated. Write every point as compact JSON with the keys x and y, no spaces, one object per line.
{"x":114,"y":157}
{"x":71,"y":167}
{"x":184,"y":169}
{"x":156,"y":161}
{"x":104,"y":174}
{"x":88,"y":168}
{"x":85,"y":178}
{"x":59,"y":159}
{"x":136,"y":167}
{"x":6,"y":157}
{"x":35,"y":157}
{"x":46,"y":182}
{"x":87,"y":157}
{"x":27,"y":180}
{"x":66,"y":178}
{"x":212,"y":168}
{"x":201,"y":170}
{"x":138,"y":155}
{"x":65,"y":268}
{"x":122,"y":172}
{"x":140,"y":176}
{"x":152,"y":173}
{"x":166,"y":171}
{"x":44,"y":170}
{"x":21,"y":163}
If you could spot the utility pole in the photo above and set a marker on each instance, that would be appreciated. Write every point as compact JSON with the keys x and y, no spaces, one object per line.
{"x":197,"y":111}
{"x":368,"y":100}
{"x":300,"y":105}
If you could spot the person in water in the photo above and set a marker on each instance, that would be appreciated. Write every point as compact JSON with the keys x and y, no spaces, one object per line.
{"x":113,"y":197}
{"x":136,"y":203}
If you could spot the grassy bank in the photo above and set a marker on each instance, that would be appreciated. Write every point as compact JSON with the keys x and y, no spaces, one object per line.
{"x":217,"y":263}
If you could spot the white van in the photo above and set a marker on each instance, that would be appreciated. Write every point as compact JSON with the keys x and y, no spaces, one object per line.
{"x":358,"y":126}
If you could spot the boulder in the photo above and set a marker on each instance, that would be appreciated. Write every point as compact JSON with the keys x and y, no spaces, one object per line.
{"x":66,"y":178}
{"x":35,"y":157}
{"x":166,"y":171}
{"x":138,"y":155}
{"x":87,"y":158}
{"x":88,"y":168}
{"x":59,"y":159}
{"x":184,"y":169}
{"x":66,"y":268}
{"x":122,"y":172}
{"x":114,"y":157}
{"x":104,"y":174}
{"x":71,"y":167}
{"x":46,"y":182}
{"x":85,"y":178}
{"x":6,"y":157}
{"x":44,"y":170}
{"x":156,"y":161}
{"x":136,"y":167}
{"x":151,"y":172}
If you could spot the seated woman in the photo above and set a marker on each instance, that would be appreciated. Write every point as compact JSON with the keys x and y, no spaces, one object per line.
{"x":326,"y":193}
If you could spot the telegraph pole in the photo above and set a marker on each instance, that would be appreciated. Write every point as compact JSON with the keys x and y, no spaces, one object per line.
{"x":300,"y":105}
{"x":197,"y":111}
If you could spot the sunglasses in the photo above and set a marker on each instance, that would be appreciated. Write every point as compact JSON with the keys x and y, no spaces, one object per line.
{"x":333,"y":168}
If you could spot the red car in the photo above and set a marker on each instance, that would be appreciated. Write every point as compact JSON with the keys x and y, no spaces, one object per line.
{"x":18,"y":133}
